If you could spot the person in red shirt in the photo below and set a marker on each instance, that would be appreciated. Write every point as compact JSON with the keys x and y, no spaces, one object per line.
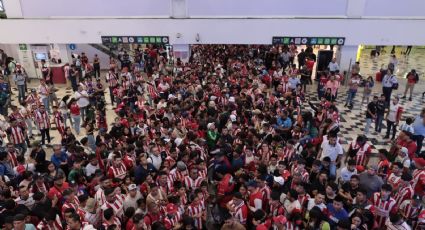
{"x":255,"y":196}
{"x":55,"y":192}
{"x":412,"y":79}
{"x":405,"y":140}
{"x":224,"y":188}
{"x":153,"y":215}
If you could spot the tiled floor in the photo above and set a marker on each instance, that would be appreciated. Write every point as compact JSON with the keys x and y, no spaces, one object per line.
{"x":352,"y":121}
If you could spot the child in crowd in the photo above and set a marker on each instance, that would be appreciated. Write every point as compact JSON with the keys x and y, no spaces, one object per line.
{"x":407,"y":126}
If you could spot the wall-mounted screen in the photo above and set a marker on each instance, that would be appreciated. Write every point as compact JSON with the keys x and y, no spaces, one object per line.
{"x":40,"y":56}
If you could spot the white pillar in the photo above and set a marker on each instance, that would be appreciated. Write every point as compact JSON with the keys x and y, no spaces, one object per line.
{"x":13,"y":8}
{"x":355,"y":8}
{"x":26,"y":58}
{"x":179,"y":9}
{"x":346,"y":56}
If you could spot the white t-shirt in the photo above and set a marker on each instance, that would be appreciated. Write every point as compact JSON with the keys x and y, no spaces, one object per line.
{"x":331,"y":151}
{"x":91,"y":169}
{"x":333,"y":66}
{"x":392,"y":114}
{"x":82,"y":101}
{"x":346,"y":174}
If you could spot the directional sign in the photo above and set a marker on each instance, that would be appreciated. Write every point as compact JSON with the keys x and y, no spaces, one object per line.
{"x":308,"y":40}
{"x":72,"y":46}
{"x":135,"y":40}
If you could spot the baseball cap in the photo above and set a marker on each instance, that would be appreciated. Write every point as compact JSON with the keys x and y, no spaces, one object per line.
{"x":132,"y":187}
{"x":404,"y":150}
{"x":280,"y":219}
{"x":171,"y":208}
{"x":373,"y":167}
{"x":279,"y":180}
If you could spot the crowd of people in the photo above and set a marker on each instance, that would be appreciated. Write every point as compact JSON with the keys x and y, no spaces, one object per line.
{"x":227,"y":140}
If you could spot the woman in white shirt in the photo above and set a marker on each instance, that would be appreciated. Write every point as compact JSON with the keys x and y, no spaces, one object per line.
{"x":82,"y":98}
{"x":393,"y":117}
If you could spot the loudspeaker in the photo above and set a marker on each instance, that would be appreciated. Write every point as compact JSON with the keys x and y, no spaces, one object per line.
{"x":324,"y":57}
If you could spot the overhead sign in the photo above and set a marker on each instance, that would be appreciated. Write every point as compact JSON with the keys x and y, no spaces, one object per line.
{"x":72,"y":46}
{"x":308,"y":40}
{"x":23,"y":47}
{"x":135,"y":40}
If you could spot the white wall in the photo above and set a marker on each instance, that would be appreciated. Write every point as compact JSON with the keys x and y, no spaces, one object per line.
{"x":255,"y":8}
{"x":93,"y":8}
{"x":214,"y":31}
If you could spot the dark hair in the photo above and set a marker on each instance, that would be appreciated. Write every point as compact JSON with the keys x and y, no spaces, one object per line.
{"x":108,"y":213}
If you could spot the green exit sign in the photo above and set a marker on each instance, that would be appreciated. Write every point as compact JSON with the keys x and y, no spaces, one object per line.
{"x":23,"y":47}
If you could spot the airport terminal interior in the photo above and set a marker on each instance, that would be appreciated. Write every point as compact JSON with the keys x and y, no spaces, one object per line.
{"x":212,"y":114}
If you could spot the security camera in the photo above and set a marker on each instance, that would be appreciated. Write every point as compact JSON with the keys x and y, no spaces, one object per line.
{"x":198,"y":38}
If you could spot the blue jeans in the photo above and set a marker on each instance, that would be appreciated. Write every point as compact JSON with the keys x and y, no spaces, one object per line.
{"x":378,"y":122}
{"x":46,"y":103}
{"x":368,"y":123}
{"x":351,"y":94}
{"x":332,"y":170}
{"x":77,"y":121}
{"x":83,"y":113}
{"x":21,"y":93}
{"x":92,"y":142}
{"x":419,"y":142}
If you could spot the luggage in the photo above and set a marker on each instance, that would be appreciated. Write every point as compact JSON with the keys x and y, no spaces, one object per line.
{"x":378,"y":76}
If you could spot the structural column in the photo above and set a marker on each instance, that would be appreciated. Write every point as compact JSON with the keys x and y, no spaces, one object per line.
{"x":346,"y":57}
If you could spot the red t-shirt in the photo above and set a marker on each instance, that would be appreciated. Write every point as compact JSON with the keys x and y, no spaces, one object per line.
{"x":58,"y":192}
{"x":310,"y":65}
{"x":75,"y":110}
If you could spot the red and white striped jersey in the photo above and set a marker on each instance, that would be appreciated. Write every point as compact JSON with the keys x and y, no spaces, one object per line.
{"x":418,"y":182}
{"x":304,"y":173}
{"x":276,"y":208}
{"x":291,"y":226}
{"x":59,"y":122}
{"x":266,"y":192}
{"x":112,"y":79}
{"x":33,"y":99}
{"x":239,"y":212}
{"x":117,"y":172}
{"x":56,"y":225}
{"x":404,"y":193}
{"x":394,"y":180}
{"x":42,"y":119}
{"x":117,"y":206}
{"x":67,"y":205}
{"x":409,"y":212}
{"x":126,"y":84}
{"x":192,"y":184}
{"x":362,"y":153}
{"x":303,"y":199}
{"x":99,"y":196}
{"x":203,"y":173}
{"x":114,"y":220}
{"x":171,"y":222}
{"x":16,"y":135}
{"x":196,"y":210}
{"x":265,"y":156}
{"x":178,"y":175}
{"x":383,"y":208}
{"x":152,"y":91}
{"x":288,"y":153}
